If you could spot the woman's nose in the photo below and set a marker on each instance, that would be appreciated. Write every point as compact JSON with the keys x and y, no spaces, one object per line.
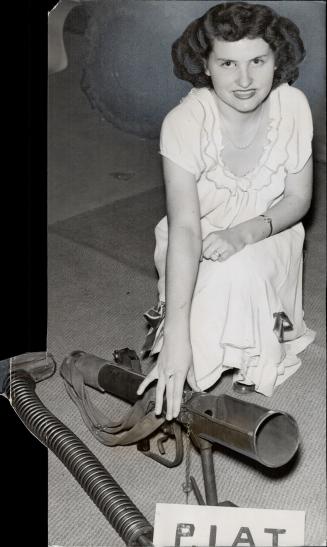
{"x":244,"y":78}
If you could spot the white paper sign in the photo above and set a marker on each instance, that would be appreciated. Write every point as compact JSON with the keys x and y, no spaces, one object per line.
{"x":207,"y":526}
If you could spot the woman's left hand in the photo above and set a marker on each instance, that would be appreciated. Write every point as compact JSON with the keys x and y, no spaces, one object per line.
{"x":222,"y":244}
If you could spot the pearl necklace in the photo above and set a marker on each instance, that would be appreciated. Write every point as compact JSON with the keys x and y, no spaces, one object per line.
{"x":243,"y":147}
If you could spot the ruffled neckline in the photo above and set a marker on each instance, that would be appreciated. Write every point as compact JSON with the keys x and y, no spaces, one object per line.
{"x":270,"y":138}
{"x":253,"y":178}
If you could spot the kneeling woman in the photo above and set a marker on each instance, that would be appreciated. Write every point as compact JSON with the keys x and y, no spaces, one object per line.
{"x":238,"y":175}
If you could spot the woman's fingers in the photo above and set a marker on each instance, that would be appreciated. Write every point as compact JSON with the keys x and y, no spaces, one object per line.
{"x":165,"y":383}
{"x":170,"y":395}
{"x":216,"y":247}
{"x":210,"y":240}
{"x":207,"y":249}
{"x":173,"y":384}
{"x":160,"y":391}
{"x":212,"y":249}
{"x":177,"y":395}
{"x":215,"y":252}
{"x":153,"y":375}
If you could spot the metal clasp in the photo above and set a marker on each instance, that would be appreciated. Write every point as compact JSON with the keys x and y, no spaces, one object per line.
{"x":282,"y":324}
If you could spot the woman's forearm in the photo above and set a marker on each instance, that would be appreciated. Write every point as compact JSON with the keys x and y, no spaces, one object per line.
{"x":287,"y":212}
{"x":183,"y":255}
{"x":283,"y":215}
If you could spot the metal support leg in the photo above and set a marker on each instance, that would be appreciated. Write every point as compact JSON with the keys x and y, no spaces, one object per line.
{"x":208,"y":473}
{"x":209,"y":476}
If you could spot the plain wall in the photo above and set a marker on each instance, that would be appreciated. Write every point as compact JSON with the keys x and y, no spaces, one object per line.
{"x":128,"y":72}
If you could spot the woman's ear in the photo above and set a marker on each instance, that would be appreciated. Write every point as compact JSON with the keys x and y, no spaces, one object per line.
{"x":206,"y":70}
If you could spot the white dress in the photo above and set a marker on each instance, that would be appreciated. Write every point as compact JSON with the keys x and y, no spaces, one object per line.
{"x":232,"y":315}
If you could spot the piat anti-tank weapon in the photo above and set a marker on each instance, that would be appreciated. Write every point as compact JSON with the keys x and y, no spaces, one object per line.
{"x":270,"y":437}
{"x":267,"y":436}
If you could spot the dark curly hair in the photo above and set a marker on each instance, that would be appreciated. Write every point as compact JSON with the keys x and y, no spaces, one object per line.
{"x":231,"y":22}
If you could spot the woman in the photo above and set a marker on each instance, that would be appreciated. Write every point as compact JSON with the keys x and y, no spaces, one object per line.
{"x":238,"y":175}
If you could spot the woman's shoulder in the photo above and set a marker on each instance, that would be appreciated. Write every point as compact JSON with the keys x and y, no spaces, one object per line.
{"x":189,"y":111}
{"x":293,"y":97}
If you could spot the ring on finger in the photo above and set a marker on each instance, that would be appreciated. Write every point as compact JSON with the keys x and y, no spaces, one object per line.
{"x":216,"y":254}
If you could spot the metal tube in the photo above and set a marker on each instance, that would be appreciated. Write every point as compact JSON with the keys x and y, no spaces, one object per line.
{"x":269,"y":436}
{"x":208,"y":473}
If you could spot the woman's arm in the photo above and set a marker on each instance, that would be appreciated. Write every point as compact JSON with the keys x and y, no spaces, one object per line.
{"x":184,"y":249}
{"x":184,"y":246}
{"x":287,"y":212}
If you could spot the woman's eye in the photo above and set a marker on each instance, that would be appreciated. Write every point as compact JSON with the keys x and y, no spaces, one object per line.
{"x":257,"y":61}
{"x":227,"y":64}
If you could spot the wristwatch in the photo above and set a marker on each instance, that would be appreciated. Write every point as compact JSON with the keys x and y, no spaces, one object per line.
{"x":268,"y":221}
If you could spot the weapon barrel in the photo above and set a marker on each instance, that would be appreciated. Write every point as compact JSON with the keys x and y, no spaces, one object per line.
{"x":270,"y":437}
{"x":119,"y":380}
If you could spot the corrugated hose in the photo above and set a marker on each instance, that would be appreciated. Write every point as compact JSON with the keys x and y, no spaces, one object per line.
{"x":96,"y":481}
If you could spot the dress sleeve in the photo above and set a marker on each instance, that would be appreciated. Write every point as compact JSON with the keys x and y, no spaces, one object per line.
{"x":179,"y":139}
{"x":300,"y":144}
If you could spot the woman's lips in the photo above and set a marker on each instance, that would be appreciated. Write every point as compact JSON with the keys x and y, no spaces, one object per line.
{"x":244,"y":94}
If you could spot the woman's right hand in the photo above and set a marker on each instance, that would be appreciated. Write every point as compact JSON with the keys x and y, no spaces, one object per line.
{"x":173,"y":367}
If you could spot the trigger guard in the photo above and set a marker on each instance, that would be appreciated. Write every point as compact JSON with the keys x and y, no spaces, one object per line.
{"x":177,"y":435}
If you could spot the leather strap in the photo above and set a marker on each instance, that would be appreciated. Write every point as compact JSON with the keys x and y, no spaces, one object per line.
{"x":139,"y":422}
{"x":155,"y":318}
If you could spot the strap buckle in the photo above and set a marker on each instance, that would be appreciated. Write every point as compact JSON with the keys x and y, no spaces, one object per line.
{"x":282,"y":324}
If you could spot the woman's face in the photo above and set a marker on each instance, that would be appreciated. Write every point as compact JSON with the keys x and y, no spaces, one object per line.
{"x":242,"y":72}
